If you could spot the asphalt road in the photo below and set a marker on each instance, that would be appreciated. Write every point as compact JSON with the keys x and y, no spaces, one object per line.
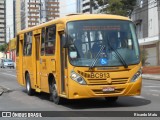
{"x":15,"y":98}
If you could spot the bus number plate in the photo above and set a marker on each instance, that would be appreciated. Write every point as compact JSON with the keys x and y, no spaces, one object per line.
{"x":108,"y":89}
{"x":100,"y":75}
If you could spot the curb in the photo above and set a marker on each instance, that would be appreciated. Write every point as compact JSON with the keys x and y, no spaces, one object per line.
{"x":1,"y":91}
{"x":4,"y":90}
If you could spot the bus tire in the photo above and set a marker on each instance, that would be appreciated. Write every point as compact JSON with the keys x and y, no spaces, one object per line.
{"x":54,"y":94}
{"x":29,"y":90}
{"x":111,"y":99}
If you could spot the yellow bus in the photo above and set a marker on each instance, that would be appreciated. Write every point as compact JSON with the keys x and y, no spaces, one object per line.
{"x":80,"y":56}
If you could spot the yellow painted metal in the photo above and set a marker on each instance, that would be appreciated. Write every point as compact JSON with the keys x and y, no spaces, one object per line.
{"x":40,"y":69}
{"x":19,"y":62}
{"x":120,"y":74}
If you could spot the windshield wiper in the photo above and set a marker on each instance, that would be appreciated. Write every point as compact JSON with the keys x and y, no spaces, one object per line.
{"x":96,"y":58}
{"x":119,"y":56}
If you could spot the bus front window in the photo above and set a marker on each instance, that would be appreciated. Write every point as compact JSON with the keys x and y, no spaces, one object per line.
{"x":87,"y":38}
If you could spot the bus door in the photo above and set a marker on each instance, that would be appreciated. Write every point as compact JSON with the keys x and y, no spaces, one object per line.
{"x":22,"y":79}
{"x":63,"y":62}
{"x":19,"y":60}
{"x":37,"y":60}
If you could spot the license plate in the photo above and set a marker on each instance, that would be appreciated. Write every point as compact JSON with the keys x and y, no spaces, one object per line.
{"x":108,"y":89}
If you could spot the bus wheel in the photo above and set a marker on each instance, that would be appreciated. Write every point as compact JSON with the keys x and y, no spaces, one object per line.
{"x":29,"y":90}
{"x":111,"y":99}
{"x":54,"y":94}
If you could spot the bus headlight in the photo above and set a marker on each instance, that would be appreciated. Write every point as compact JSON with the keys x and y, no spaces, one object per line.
{"x":74,"y":76}
{"x":137,"y":75}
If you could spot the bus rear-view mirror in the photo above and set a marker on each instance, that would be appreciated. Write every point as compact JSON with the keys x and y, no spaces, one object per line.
{"x":64,"y":40}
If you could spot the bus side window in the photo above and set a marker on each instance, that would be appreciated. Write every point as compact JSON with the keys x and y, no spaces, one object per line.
{"x":24,"y":44}
{"x":27,"y":44}
{"x":17,"y":46}
{"x":43,"y":42}
{"x":50,"y":40}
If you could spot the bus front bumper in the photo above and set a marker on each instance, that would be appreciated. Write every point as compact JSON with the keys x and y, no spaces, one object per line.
{"x":78,"y":91}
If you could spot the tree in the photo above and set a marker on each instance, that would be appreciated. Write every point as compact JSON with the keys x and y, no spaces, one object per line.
{"x":3,"y":47}
{"x":117,"y":7}
{"x":144,"y":56}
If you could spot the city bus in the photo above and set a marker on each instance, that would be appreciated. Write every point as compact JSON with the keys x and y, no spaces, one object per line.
{"x":80,"y":56}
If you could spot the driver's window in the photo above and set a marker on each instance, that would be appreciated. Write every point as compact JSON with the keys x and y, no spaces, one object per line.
{"x":124,"y":39}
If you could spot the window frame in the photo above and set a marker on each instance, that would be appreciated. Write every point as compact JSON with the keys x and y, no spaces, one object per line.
{"x":17,"y":45}
{"x":26,"y":43}
{"x":46,"y":40}
{"x":43,"y":37}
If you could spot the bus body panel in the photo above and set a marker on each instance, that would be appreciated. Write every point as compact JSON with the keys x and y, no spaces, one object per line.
{"x":28,"y":67}
{"x":19,"y":61}
{"x":47,"y":67}
{"x":121,"y":81}
{"x":61,"y":70}
{"x":78,"y":92}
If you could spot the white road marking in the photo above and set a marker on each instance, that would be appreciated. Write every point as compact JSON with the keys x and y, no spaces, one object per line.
{"x":9,"y":74}
{"x":155,"y":91}
{"x":152,"y":86}
{"x":155,"y":95}
{"x":9,"y":71}
{"x":151,"y":83}
{"x":138,"y":97}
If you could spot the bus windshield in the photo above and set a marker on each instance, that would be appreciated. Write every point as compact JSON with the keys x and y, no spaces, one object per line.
{"x":117,"y":37}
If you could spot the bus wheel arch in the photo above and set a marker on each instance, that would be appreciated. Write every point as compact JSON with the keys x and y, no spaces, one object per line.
{"x":29,"y":89}
{"x":51,"y":79}
{"x":53,"y":90}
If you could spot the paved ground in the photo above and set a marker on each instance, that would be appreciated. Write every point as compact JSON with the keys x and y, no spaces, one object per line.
{"x":151,"y":76}
{"x":16,"y":99}
{"x":1,"y":90}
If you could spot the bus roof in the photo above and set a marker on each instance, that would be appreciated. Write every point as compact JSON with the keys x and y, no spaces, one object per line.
{"x":94,"y":16}
{"x":75,"y":17}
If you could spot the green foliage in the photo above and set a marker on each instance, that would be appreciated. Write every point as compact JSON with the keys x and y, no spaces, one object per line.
{"x":102,"y":2}
{"x":115,"y":7}
{"x":3,"y":47}
{"x":144,"y":56}
{"x":118,"y":7}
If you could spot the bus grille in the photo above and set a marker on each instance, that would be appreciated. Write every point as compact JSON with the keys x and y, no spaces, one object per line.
{"x":119,"y":81}
{"x":99,"y":91}
{"x":115,"y":81}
